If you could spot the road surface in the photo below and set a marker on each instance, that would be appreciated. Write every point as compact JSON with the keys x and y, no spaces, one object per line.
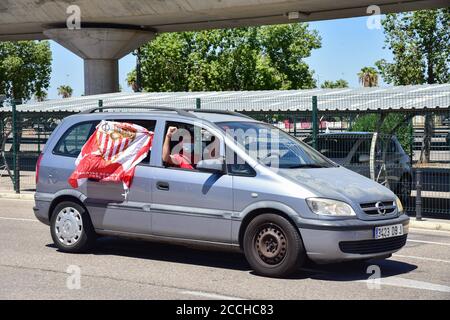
{"x":32,"y":268}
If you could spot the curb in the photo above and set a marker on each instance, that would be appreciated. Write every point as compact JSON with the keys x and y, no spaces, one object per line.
{"x":429,"y":225}
{"x":21,"y":196}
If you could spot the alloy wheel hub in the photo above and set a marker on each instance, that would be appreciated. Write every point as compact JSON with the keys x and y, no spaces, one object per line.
{"x":68,"y":226}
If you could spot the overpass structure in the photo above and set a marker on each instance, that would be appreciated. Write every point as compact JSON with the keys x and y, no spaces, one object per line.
{"x":110,"y":29}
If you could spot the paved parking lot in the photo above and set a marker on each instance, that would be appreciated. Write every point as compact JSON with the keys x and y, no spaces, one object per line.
{"x":32,"y":268}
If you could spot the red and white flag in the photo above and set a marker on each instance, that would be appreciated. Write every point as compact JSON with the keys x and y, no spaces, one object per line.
{"x":112,"y":153}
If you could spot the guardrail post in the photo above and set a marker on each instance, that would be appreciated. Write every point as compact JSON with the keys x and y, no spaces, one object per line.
{"x":2,"y":129}
{"x":138,"y":70}
{"x":419,"y":194}
{"x":411,"y":140}
{"x":15,"y":162}
{"x":197,"y":136}
{"x":100,"y":105}
{"x":39,"y":136}
{"x":315,"y":128}
{"x":294,"y":120}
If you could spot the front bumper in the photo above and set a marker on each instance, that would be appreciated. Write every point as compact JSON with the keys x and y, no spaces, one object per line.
{"x":326,"y":241}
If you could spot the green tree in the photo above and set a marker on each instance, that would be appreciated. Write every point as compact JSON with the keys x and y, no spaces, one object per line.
{"x":286,"y":46}
{"x":253,"y":58}
{"x":25,"y":68}
{"x":41,"y":96}
{"x":420,"y":43}
{"x":131,"y":80}
{"x":368,"y":77}
{"x":65,"y":91}
{"x":329,"y":84}
{"x":369,"y":123}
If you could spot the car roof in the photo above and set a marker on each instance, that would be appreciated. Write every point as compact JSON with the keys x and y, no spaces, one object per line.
{"x":171,"y":114}
{"x":220,"y":117}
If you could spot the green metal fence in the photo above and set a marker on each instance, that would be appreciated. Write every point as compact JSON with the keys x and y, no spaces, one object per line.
{"x":382,"y":137}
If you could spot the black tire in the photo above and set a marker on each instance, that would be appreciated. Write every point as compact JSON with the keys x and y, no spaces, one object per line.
{"x":81,"y":242}
{"x":272,"y":245}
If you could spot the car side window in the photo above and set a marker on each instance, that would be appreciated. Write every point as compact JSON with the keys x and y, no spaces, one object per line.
{"x":185,"y":144}
{"x":392,"y":147}
{"x":74,"y":139}
{"x":335,"y":147}
{"x":147,"y":124}
{"x":363,"y":149}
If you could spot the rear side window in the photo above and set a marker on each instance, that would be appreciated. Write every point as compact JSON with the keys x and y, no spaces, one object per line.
{"x":74,"y":139}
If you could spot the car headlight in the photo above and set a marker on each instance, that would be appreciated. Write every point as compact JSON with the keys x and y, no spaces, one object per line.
{"x":330,"y":207}
{"x":399,"y":206}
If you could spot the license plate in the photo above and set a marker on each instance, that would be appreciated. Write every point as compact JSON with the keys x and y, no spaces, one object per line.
{"x":388,"y":231}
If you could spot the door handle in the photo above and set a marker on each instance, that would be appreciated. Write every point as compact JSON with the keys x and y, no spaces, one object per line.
{"x":162,"y":185}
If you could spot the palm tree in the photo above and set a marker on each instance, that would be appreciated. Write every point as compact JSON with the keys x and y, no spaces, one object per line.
{"x":132,"y":81}
{"x":340,"y":83}
{"x":65,"y":91}
{"x":368,"y":77}
{"x":40,"y":96}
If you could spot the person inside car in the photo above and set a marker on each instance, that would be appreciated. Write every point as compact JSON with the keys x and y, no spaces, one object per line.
{"x":177,"y":159}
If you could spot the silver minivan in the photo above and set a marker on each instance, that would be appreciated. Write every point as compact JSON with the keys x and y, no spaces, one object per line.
{"x":258,"y":190}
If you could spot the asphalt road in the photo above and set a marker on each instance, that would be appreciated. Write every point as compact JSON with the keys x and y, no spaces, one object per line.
{"x":32,"y":268}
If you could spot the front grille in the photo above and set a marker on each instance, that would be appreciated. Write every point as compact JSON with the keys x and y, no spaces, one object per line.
{"x":372,"y":209}
{"x":373,"y":245}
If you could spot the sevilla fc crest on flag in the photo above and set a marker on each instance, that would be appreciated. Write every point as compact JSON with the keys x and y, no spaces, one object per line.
{"x":112,"y":153}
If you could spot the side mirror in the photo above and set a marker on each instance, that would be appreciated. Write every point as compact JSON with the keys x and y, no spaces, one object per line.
{"x":363,"y":158}
{"x":212,"y":165}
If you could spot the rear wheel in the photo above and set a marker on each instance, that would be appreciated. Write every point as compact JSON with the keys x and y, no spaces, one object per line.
{"x":273,"y":246}
{"x":71,"y":228}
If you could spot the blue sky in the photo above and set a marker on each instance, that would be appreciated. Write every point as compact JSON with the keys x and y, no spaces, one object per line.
{"x":347,"y":46}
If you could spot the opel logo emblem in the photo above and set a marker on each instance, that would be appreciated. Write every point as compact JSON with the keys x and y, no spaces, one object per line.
{"x":380,"y":208}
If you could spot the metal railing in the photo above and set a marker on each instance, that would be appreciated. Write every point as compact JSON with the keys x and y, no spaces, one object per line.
{"x":410,"y":154}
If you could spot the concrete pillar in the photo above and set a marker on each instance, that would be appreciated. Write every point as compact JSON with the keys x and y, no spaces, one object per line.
{"x":101,"y":48}
{"x":101,"y":76}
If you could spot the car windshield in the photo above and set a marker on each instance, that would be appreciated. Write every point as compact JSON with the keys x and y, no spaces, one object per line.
{"x":334,"y":147}
{"x":273,"y":147}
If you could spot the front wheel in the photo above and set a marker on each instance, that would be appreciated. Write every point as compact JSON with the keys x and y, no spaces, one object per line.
{"x":71,"y":228}
{"x":273,"y":246}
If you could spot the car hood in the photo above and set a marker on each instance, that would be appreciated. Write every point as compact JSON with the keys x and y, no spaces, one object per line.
{"x":339,"y":183}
